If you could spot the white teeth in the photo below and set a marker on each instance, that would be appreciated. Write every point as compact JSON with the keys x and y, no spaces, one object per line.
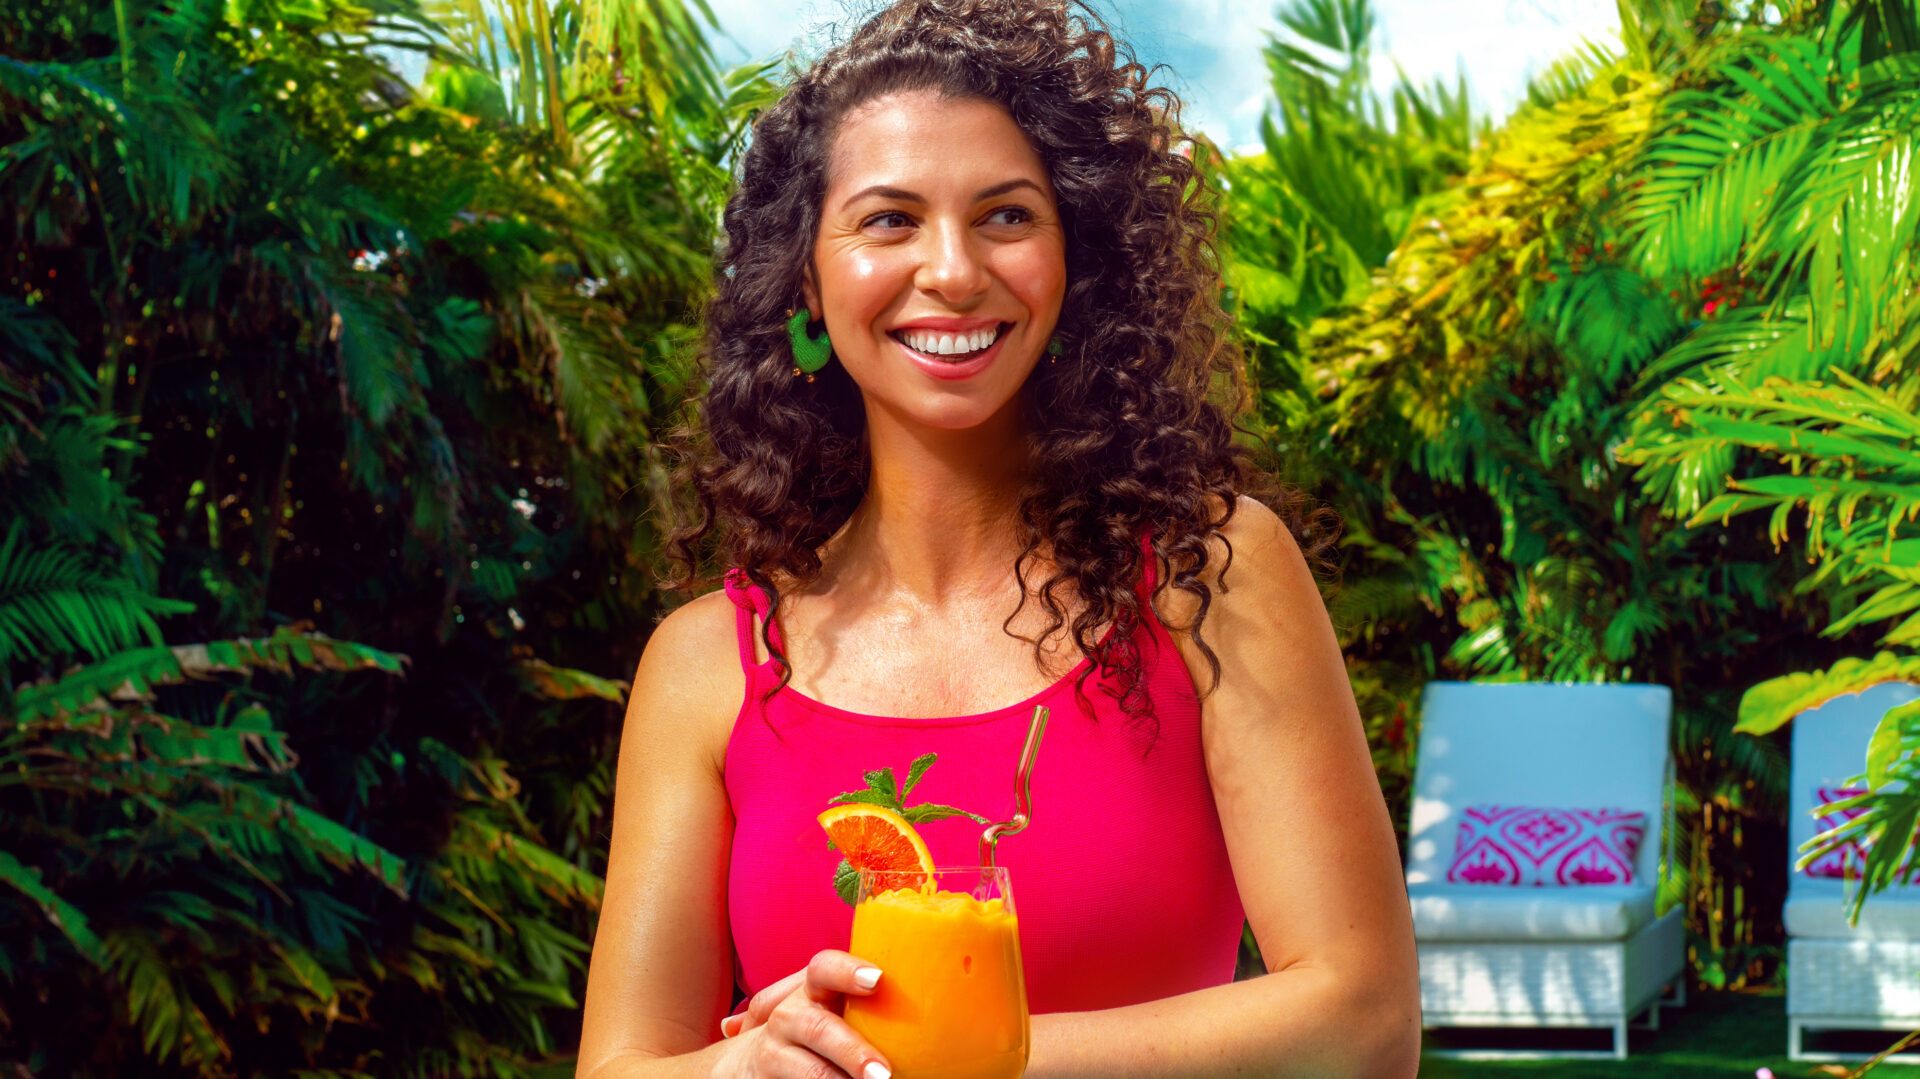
{"x":949,"y":344}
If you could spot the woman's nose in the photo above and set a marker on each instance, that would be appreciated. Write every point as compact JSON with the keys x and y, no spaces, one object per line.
{"x":951,"y":267}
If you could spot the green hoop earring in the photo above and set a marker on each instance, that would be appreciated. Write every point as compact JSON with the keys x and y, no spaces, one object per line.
{"x":810,"y":353}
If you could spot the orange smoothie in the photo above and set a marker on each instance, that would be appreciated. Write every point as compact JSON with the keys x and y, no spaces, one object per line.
{"x":951,"y":1003}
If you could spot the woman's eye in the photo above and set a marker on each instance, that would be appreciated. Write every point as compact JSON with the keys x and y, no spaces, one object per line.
{"x":892,"y":219}
{"x":1010,"y":215}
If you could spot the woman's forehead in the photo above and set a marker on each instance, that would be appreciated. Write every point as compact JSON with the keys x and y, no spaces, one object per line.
{"x":930,"y":144}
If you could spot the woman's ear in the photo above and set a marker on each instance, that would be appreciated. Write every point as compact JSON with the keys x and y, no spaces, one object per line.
{"x":810,"y":290}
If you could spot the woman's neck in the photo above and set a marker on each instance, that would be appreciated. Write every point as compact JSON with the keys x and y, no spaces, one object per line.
{"x":939,"y":514}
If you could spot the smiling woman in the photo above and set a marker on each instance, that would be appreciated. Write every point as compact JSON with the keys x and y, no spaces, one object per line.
{"x":960,"y":272}
{"x":1012,"y":483}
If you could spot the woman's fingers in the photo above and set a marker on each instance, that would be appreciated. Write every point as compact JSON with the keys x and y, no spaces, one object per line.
{"x":807,"y":1025}
{"x":767,"y":999}
{"x":831,"y":974}
{"x":799,"y":1062}
{"x":805,"y":1036}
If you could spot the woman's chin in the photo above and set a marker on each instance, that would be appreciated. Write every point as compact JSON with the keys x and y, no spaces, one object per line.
{"x":947,"y":411}
{"x":959,"y":405}
{"x":955,"y":415}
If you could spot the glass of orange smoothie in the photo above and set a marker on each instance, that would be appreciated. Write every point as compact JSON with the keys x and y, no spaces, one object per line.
{"x":952,"y":1002}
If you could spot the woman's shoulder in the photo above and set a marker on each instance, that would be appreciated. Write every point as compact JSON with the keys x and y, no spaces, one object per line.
{"x":1259,"y":532}
{"x":700,"y":625}
{"x":1254,"y":546}
{"x":691,"y":671}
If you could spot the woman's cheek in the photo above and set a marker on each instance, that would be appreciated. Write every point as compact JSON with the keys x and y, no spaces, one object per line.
{"x":1037,"y":274}
{"x":865,"y":286}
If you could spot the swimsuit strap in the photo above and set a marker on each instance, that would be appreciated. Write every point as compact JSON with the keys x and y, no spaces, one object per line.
{"x":751,"y":602}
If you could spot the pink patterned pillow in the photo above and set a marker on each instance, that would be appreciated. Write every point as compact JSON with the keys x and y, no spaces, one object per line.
{"x":1525,"y":845}
{"x":1848,"y":860}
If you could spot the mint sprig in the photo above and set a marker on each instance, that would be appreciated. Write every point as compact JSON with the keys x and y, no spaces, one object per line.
{"x":884,"y":790}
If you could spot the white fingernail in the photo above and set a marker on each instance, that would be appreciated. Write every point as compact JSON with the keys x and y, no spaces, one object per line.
{"x":875,"y":1069}
{"x":725,"y":1030}
{"x":867,"y":978}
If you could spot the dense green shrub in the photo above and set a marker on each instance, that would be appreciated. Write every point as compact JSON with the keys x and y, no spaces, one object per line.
{"x":291,"y":356}
{"x":1611,"y":265}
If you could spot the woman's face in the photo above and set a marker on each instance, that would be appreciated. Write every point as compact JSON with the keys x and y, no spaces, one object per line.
{"x":940,"y":262}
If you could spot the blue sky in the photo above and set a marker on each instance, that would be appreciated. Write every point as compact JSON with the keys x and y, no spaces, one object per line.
{"x":1213,"y":46}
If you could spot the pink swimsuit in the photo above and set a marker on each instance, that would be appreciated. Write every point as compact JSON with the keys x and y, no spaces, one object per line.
{"x":1122,"y":882}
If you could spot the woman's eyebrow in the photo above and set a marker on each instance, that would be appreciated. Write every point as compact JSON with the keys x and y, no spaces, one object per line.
{"x":1010,"y":185}
{"x":898,"y":194}
{"x":901,"y":194}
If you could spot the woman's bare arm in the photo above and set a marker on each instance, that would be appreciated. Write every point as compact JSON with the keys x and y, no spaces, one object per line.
{"x":1312,"y":851}
{"x":662,"y":969}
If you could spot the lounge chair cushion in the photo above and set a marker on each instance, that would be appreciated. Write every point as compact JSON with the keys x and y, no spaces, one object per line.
{"x":1476,"y":912}
{"x":1818,"y":909}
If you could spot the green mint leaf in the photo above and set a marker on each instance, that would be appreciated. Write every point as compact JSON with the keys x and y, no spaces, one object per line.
{"x":864,"y":797}
{"x":927,"y":811}
{"x":882,"y":781}
{"x":846,"y":881}
{"x":915,"y":771}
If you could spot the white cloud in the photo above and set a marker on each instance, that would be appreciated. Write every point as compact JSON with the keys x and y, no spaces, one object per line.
{"x":1500,"y":43}
{"x":1214,"y":46}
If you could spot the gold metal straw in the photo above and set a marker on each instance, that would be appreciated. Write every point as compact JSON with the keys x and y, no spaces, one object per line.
{"x":1022,"y":791}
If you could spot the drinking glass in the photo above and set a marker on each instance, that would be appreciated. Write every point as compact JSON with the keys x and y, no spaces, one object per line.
{"x":952,"y":1001}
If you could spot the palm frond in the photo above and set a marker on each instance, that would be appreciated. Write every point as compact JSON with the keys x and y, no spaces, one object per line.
{"x":64,"y":915}
{"x":171,"y":1024}
{"x":1608,"y":319}
{"x":133,"y":674}
{"x":1846,"y":216}
{"x":55,"y":601}
{"x":592,"y":388}
{"x":1569,"y":75}
{"x":1717,"y":157}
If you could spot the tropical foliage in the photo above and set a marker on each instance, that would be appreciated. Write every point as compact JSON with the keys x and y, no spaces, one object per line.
{"x":1306,"y":221}
{"x":1548,"y":308}
{"x":1786,"y":175}
{"x":335,"y":337}
{"x":334,"y":373}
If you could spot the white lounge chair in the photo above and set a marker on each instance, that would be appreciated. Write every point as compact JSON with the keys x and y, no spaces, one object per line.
{"x":1842,"y":977}
{"x":1574,"y":956}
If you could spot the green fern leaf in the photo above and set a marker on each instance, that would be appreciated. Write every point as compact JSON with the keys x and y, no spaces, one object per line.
{"x":53,"y":601}
{"x":129,"y":674}
{"x":64,"y":915}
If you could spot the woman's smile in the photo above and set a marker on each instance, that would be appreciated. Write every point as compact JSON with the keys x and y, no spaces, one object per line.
{"x":961,"y":350}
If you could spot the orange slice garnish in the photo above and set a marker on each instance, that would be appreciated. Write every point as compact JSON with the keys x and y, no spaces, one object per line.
{"x":874,"y":837}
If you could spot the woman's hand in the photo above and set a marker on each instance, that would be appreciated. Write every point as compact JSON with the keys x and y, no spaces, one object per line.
{"x":793,"y":1027}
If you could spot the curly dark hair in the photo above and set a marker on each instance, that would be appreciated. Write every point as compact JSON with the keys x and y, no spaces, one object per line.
{"x":1133,"y":426}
